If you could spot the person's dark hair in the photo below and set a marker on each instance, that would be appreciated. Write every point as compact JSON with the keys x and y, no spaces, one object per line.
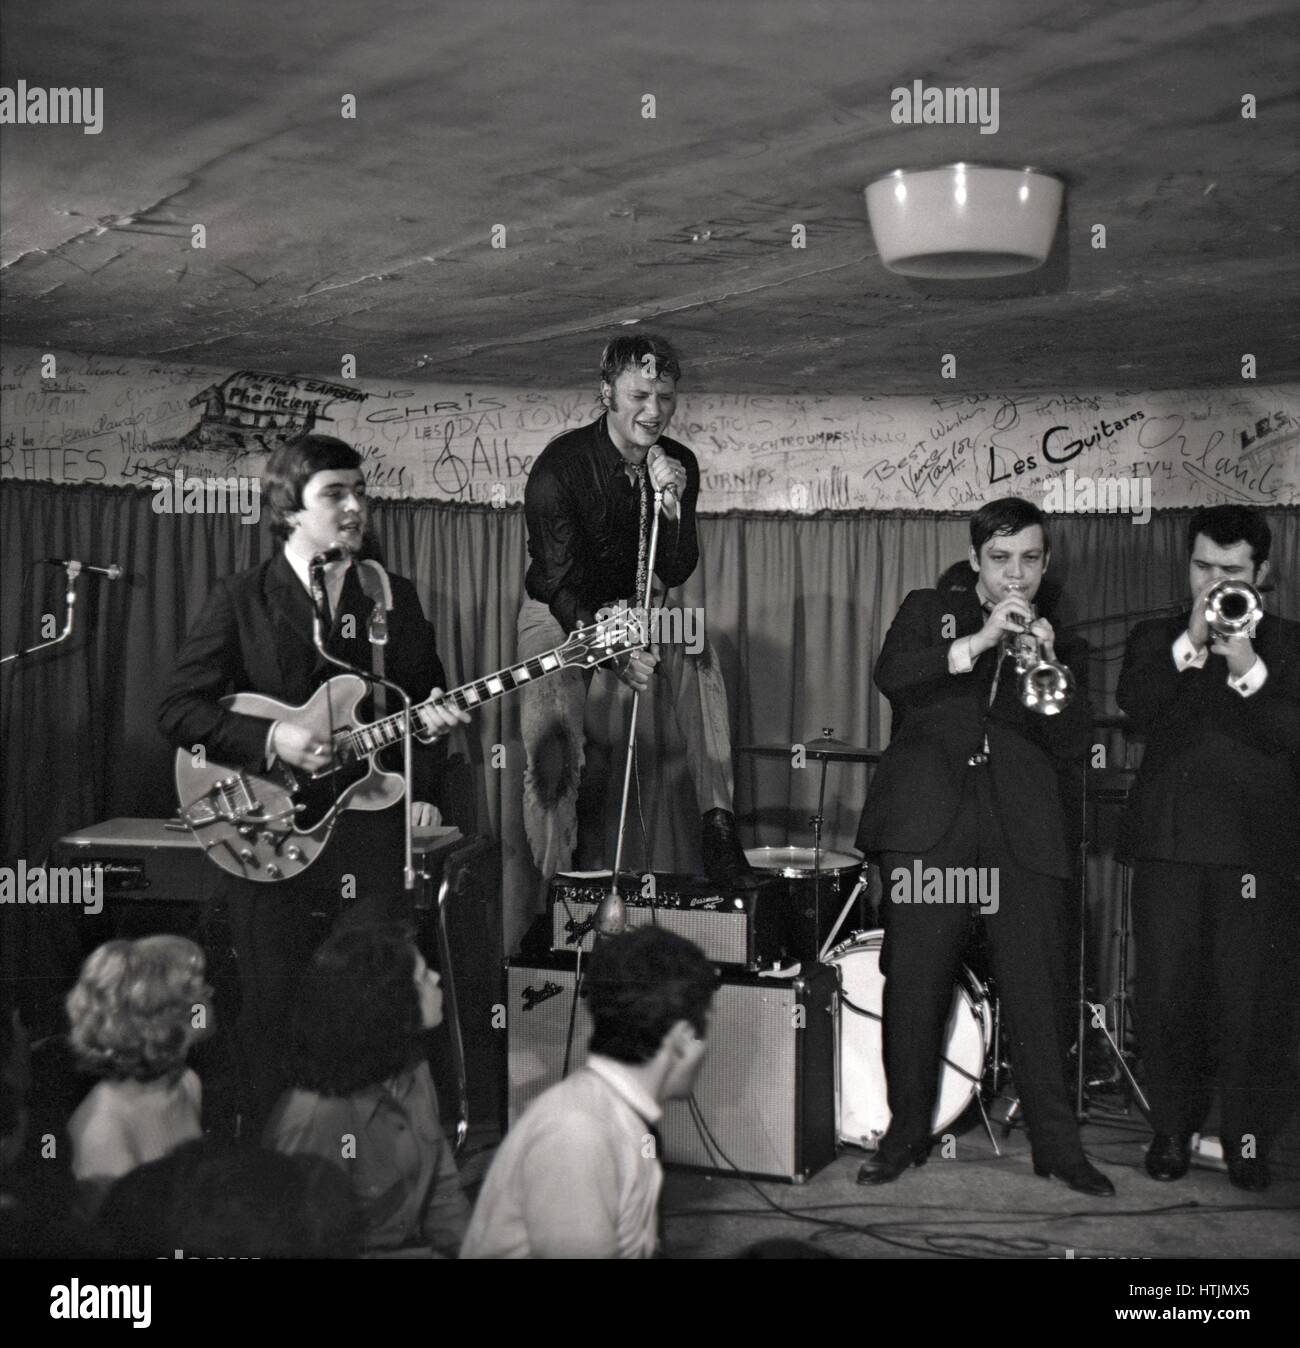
{"x":357,"y":1022}
{"x":627,"y":352}
{"x":1005,"y":516}
{"x":292,"y":465}
{"x":214,"y":1198}
{"x":1229,"y":524}
{"x":639,"y":985}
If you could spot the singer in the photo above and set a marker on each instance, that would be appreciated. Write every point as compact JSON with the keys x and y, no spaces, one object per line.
{"x":588,"y":508}
{"x":255,"y":634}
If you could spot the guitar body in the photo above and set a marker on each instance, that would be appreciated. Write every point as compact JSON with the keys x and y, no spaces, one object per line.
{"x":272,"y":826}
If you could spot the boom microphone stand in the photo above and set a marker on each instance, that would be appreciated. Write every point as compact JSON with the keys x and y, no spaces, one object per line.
{"x":611,"y":916}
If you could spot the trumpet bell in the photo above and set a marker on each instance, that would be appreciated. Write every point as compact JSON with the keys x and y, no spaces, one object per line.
{"x":1047,"y":688}
{"x":1233,"y":608}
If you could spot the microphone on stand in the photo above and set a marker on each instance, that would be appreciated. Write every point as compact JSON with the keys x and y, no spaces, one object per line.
{"x":611,"y":916}
{"x":110,"y":572}
{"x":669,"y":493}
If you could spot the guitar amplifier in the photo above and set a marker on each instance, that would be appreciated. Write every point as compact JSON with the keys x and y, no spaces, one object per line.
{"x":143,"y":859}
{"x":766,"y":1089}
{"x":743,"y":928}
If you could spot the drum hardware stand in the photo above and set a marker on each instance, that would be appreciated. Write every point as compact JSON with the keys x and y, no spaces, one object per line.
{"x":1093,"y":1014}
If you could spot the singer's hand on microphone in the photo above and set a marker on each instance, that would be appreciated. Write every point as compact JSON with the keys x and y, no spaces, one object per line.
{"x":669,"y":477}
{"x":637,"y":669}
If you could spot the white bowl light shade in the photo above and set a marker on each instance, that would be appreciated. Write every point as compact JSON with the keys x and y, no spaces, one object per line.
{"x":964,"y":221}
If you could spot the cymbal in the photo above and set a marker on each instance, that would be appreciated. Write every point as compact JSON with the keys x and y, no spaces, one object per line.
{"x":817,"y":746}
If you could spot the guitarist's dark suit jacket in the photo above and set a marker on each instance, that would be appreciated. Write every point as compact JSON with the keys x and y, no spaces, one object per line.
{"x":1217,"y":799}
{"x":940,"y":720}
{"x":255,"y":635}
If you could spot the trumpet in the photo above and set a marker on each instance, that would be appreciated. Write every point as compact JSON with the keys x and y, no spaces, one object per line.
{"x":1233,"y":608}
{"x":1046,"y":686}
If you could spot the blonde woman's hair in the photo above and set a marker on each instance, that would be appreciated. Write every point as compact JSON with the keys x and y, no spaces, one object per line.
{"x":139,"y":1006}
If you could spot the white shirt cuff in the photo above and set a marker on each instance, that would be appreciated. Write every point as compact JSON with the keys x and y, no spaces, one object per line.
{"x":1186,"y":656}
{"x":1251,"y":681}
{"x":960,"y":660}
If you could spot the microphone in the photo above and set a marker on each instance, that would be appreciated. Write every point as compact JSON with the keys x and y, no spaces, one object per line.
{"x":110,"y":572}
{"x":335,"y":554}
{"x":670,"y":491}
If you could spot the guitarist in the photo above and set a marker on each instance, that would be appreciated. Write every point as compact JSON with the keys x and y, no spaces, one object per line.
{"x":255,"y":635}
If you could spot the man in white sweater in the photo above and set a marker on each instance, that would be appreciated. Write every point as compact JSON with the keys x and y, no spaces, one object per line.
{"x":578,"y":1177}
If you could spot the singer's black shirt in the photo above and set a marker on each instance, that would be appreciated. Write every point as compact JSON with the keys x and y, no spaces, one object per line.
{"x":583,"y":513}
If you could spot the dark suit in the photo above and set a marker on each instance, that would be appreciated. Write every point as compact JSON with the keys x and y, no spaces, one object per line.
{"x":928,"y":802}
{"x":255,"y":635}
{"x":1213,"y":831}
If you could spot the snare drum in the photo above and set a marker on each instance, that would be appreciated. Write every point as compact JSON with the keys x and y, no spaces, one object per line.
{"x":810,"y":911}
{"x":863,"y":1109}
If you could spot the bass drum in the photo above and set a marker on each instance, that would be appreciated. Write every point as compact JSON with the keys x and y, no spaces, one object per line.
{"x":863,"y":1107}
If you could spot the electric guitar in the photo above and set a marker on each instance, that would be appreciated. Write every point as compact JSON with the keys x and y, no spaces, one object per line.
{"x":273,"y":825}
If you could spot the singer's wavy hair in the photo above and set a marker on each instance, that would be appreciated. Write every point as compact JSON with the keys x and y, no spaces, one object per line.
{"x":627,"y":352}
{"x":639,"y":985}
{"x":1229,"y":524}
{"x":292,"y":465}
{"x":357,"y":1022}
{"x":1005,"y":516}
{"x":138,"y":1007}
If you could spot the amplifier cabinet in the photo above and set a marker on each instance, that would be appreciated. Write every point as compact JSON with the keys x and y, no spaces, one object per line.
{"x":766,"y":1089}
{"x":743,"y":928}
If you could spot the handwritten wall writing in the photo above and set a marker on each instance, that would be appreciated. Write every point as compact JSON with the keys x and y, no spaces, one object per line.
{"x":117,"y":421}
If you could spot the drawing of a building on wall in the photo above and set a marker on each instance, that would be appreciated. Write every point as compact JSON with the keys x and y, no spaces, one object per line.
{"x":252,"y":411}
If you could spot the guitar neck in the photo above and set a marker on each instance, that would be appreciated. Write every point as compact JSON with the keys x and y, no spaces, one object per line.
{"x":388,"y":730}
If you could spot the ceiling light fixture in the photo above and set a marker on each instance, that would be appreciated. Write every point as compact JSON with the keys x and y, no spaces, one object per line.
{"x":964,"y":221}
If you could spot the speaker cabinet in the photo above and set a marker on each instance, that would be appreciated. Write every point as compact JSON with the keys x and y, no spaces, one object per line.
{"x":766,"y":1090}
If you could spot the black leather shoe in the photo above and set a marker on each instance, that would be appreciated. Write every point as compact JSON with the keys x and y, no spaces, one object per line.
{"x":724,"y":858}
{"x":1081,"y":1176}
{"x":885,"y":1168}
{"x":1249,"y":1172}
{"x":1168,"y":1157}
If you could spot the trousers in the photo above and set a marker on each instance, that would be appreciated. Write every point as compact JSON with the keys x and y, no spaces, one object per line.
{"x":553,"y":719}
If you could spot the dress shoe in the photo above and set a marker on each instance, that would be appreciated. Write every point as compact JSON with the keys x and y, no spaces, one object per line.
{"x":1168,"y":1157}
{"x":1249,"y":1172}
{"x":1081,"y":1176}
{"x":724,"y":858}
{"x":884,"y":1168}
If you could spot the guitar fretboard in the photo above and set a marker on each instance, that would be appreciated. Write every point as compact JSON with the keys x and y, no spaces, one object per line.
{"x":369,"y":739}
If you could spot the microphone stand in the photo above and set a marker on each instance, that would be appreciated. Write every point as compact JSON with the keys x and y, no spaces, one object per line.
{"x":611,"y":917}
{"x":74,"y":570}
{"x":317,"y":569}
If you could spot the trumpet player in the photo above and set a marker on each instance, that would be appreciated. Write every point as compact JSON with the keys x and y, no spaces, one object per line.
{"x":1212,"y":831}
{"x":972,"y":778}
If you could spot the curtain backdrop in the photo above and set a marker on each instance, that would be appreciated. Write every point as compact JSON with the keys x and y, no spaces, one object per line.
{"x":796,"y":609}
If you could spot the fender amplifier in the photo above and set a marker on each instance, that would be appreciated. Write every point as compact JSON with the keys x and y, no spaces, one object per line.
{"x":742,"y":927}
{"x":766,"y":1089}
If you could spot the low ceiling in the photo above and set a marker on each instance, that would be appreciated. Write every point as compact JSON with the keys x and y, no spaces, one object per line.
{"x":372,"y":236}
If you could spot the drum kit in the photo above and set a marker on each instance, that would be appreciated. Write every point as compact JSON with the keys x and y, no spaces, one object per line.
{"x":824,"y":885}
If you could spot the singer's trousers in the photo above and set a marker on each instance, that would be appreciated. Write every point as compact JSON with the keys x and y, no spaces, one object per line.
{"x":553,"y":718}
{"x":1216,"y":997}
{"x":1027,"y":938}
